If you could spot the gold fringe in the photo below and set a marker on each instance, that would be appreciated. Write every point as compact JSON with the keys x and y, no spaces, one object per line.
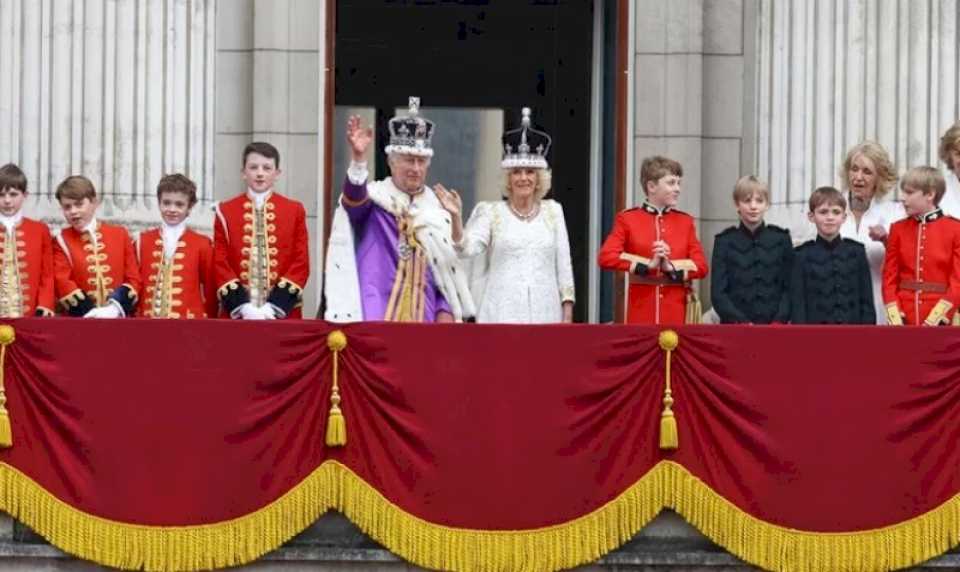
{"x":565,"y":545}
{"x":336,"y":423}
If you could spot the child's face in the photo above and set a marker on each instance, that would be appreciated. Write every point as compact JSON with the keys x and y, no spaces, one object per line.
{"x":752,"y":209}
{"x":174,"y":207}
{"x":78,"y":212}
{"x":11,"y":201}
{"x":260,"y":173}
{"x":915,"y":201}
{"x":665,"y":192}
{"x":828,"y":219}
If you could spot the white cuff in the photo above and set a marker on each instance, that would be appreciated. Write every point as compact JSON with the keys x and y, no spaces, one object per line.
{"x":119,"y":308}
{"x":357,"y":172}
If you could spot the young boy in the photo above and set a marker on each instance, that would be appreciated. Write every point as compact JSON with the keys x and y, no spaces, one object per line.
{"x":260,"y":244}
{"x":26,"y":253}
{"x":95,"y":267}
{"x":752,"y":262}
{"x":176,"y":263}
{"x":921,"y":270}
{"x":831,"y":277}
{"x":657,"y":246}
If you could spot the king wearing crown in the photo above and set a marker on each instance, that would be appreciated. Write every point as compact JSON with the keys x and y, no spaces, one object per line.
{"x":391,"y":255}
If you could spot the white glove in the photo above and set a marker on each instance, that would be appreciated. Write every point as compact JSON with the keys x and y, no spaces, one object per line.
{"x":109,"y":311}
{"x":278,"y":314}
{"x":249,"y":312}
{"x":267,"y":312}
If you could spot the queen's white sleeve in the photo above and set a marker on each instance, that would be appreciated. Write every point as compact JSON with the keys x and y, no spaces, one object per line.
{"x":564,"y":266}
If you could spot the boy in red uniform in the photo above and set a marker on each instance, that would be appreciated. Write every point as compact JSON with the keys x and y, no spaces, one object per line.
{"x":176,"y":263}
{"x":260,"y":244}
{"x":921,"y":271}
{"x":657,"y":246}
{"x":95,"y":267}
{"x":26,"y":253}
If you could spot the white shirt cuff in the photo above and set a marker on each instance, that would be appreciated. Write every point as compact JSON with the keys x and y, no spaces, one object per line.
{"x":357,"y":172}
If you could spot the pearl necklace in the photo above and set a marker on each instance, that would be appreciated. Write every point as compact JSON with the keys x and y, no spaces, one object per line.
{"x":524,"y":216}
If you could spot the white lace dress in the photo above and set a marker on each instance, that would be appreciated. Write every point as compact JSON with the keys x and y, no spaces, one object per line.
{"x":521,"y":271}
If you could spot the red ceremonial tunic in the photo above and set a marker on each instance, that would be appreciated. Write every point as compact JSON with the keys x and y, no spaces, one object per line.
{"x":654,"y":297}
{"x":26,"y":270}
{"x":181,"y":287}
{"x":83,"y":271}
{"x":921,"y":271}
{"x":261,"y":254}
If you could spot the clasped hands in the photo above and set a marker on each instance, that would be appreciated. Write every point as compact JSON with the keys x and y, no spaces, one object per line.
{"x":661,"y":256}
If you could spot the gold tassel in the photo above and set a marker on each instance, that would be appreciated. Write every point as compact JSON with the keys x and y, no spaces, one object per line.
{"x":7,"y":335}
{"x":336,"y":423}
{"x":669,"y":437}
{"x":694,"y":313}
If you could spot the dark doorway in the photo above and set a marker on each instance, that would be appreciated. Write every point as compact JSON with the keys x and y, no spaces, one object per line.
{"x":485,"y":54}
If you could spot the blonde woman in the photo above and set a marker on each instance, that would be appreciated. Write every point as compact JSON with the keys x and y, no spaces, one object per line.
{"x":869,"y":176}
{"x":519,"y":246}
{"x":950,"y":155}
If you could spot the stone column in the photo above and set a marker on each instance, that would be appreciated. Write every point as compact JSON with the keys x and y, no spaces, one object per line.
{"x":832,"y":73}
{"x":269,"y":71}
{"x":121,"y":92}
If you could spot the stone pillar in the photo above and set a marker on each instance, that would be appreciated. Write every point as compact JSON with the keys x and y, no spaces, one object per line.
{"x":121,"y":92}
{"x":832,"y":73}
{"x":269,"y":72}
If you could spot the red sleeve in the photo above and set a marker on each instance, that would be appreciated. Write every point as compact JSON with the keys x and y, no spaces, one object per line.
{"x":696,"y":254}
{"x":223,"y":272}
{"x":64,"y":284}
{"x":891,"y":267}
{"x":299,"y":270}
{"x":208,"y":282}
{"x":953,"y":286}
{"x":45,"y":297}
{"x":131,"y":268}
{"x":609,"y":256}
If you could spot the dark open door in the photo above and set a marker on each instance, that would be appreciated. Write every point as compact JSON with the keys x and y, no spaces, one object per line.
{"x":496,"y":56}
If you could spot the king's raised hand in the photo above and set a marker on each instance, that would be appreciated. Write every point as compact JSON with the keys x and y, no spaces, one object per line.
{"x":358,"y":137}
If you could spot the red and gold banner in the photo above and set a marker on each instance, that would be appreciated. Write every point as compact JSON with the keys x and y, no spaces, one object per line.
{"x":187,"y":445}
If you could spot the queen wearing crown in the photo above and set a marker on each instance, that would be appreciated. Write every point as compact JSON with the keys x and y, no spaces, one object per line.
{"x":520,"y":252}
{"x":391,"y":254}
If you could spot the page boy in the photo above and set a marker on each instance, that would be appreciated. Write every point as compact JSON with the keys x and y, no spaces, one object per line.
{"x":751,"y":262}
{"x":657,"y":246}
{"x":921,"y":270}
{"x":26,"y":253}
{"x":260,"y":244}
{"x":95,"y":267}
{"x":831,"y":277}
{"x":176,"y":263}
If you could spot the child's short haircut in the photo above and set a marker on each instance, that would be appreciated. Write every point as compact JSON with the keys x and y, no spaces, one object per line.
{"x":829,"y":196}
{"x":926,"y":180}
{"x":262,"y":148}
{"x":950,"y":141}
{"x":656,"y":167}
{"x":12,"y":177}
{"x":177,"y":183}
{"x":748,"y":186}
{"x":77,"y":188}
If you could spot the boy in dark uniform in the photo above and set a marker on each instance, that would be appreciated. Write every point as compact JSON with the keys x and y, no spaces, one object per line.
{"x":752,"y":262}
{"x":921,"y":271}
{"x":831,"y":277}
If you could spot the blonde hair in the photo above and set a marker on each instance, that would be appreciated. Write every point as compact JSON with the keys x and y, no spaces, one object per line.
{"x":747,"y":186}
{"x":926,"y":180}
{"x":949,"y":142}
{"x":886,"y":172}
{"x":544,"y":180}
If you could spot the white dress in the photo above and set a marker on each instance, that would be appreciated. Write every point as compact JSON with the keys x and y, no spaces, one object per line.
{"x":885,"y":213}
{"x":521,"y":271}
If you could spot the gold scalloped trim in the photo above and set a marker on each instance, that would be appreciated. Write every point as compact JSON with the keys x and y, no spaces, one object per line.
{"x":582,"y":540}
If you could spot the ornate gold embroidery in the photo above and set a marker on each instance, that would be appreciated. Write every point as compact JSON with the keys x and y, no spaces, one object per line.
{"x":12,"y":303}
{"x":259,"y":235}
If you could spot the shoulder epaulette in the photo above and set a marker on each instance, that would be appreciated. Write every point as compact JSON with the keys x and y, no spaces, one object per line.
{"x":852,"y":241}
{"x":726,"y":231}
{"x":778,"y":228}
